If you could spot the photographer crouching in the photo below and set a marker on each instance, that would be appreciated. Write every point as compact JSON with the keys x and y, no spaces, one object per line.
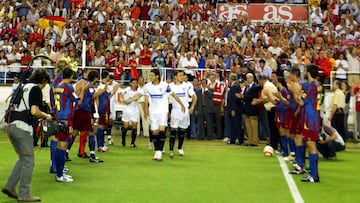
{"x":20,"y":131}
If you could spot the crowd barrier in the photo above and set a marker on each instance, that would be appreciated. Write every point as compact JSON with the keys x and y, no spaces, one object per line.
{"x":6,"y":79}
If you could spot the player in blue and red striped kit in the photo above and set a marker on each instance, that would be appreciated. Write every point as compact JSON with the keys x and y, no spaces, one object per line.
{"x":104,"y":109}
{"x":83,"y":120}
{"x":82,"y":81}
{"x":281,"y":116}
{"x":296,"y":123}
{"x":57,"y":80}
{"x":308,"y":98}
{"x":64,"y":104}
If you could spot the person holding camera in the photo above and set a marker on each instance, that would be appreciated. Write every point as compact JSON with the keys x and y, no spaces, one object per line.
{"x":20,"y":133}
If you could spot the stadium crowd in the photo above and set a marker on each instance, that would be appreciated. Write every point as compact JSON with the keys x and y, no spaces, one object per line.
{"x":114,"y":29}
{"x":235,"y":72}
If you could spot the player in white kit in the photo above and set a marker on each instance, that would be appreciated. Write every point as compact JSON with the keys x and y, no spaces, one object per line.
{"x":179,"y":120}
{"x":112,"y":85}
{"x":156,"y":107}
{"x":129,"y":98}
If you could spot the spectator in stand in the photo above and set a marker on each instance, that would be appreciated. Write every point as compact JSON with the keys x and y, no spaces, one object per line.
{"x":189,"y":63}
{"x":52,"y":29}
{"x":264,"y":70}
{"x":270,"y":61}
{"x":25,"y":59}
{"x":35,"y":36}
{"x":3,"y":68}
{"x":145,"y":8}
{"x":159,"y":62}
{"x":5,"y":44}
{"x":99,"y":59}
{"x":13,"y":60}
{"x":145,"y":62}
{"x":33,"y":16}
{"x":110,"y":59}
{"x":341,"y":68}
{"x":90,"y":54}
{"x":352,"y":54}
{"x":154,"y":11}
{"x":317,"y":17}
{"x":324,"y":66}
{"x":60,"y":10}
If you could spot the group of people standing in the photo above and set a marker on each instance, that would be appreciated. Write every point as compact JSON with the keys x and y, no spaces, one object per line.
{"x":292,"y":108}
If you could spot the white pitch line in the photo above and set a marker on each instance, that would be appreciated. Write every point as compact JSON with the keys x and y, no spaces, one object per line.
{"x":290,"y":181}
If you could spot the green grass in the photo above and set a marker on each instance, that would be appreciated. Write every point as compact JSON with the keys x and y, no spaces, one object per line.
{"x":210,"y":172}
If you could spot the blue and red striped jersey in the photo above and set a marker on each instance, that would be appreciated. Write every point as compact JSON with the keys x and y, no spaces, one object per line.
{"x":281,"y":107}
{"x":88,"y":100}
{"x":311,"y":106}
{"x":104,"y":103}
{"x":64,"y":101}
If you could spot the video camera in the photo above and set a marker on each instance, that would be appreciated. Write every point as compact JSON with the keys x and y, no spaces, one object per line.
{"x":49,"y":128}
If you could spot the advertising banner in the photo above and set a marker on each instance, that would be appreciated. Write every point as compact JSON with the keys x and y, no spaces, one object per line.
{"x":264,"y":12}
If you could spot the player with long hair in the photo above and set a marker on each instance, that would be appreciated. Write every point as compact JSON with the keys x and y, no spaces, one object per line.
{"x":156,"y":107}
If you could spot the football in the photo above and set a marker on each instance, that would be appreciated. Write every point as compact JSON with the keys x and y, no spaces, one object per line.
{"x":268,"y":151}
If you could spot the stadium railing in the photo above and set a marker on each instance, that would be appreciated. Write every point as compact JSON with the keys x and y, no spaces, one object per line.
{"x":5,"y":79}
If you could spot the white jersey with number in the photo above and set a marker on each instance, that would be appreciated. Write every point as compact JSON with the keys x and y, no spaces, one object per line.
{"x":158,"y":97}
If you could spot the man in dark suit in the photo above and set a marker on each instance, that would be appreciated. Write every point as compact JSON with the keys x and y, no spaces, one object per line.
{"x":235,"y":110}
{"x":205,"y":110}
{"x":251,"y":111}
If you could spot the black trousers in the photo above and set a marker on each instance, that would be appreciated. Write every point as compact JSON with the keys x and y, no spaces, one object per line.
{"x":338,"y":123}
{"x":236,"y":130}
{"x":274,"y":131}
{"x":329,"y":149}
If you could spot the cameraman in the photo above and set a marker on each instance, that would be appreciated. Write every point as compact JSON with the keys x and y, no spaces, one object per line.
{"x":20,"y":133}
{"x":330,"y":142}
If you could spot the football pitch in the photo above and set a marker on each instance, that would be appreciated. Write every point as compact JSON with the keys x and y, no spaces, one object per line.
{"x":211,"y":171}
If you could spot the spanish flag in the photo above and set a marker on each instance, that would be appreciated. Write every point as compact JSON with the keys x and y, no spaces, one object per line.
{"x":58,"y":21}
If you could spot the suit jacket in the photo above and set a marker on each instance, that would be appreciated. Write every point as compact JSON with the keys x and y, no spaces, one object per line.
{"x":250,"y":94}
{"x":234,"y":103}
{"x":209,"y":105}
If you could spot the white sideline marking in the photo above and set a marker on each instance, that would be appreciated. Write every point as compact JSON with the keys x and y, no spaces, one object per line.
{"x":290,"y":181}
